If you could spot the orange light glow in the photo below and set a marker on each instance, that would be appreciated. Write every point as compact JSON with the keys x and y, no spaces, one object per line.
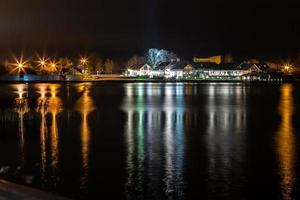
{"x":286,"y":142}
{"x":42,"y":62}
{"x":84,"y":60}
{"x":85,"y":105}
{"x":20,"y":64}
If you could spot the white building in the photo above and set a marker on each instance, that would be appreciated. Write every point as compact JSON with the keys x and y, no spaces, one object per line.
{"x":179,"y":70}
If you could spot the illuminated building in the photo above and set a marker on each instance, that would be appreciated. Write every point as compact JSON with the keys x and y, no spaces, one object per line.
{"x":181,"y":69}
{"x":207,"y":70}
{"x":213,"y":59}
{"x":140,"y":70}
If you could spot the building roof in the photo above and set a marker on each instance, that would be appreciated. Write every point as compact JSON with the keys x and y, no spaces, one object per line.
{"x":180,"y":65}
{"x":136,"y":66}
{"x":214,"y":66}
{"x":263,"y":66}
{"x":223,"y":66}
{"x":72,"y":71}
{"x":248,"y":66}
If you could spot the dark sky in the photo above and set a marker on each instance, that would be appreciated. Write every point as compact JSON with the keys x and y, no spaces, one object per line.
{"x":258,"y":28}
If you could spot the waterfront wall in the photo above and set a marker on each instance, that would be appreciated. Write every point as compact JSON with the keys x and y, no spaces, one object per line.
{"x":40,"y":77}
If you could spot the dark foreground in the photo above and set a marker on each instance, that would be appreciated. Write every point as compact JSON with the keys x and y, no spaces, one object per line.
{"x":11,"y":191}
{"x":152,"y":140}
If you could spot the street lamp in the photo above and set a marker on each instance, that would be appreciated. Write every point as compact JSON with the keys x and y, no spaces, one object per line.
{"x":83,"y":62}
{"x":42,"y":62}
{"x":53,"y":65}
{"x":287,"y":68}
{"x":19,"y":64}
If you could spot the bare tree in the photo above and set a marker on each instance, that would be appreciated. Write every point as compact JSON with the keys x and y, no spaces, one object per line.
{"x":64,"y":64}
{"x":6,"y":66}
{"x":98,"y":65}
{"x":136,"y":60}
{"x":155,"y":56}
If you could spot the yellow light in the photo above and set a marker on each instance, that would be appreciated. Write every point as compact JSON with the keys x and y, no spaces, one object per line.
{"x":287,"y":67}
{"x":83,"y":60}
{"x":42,"y":62}
{"x":285,"y":141}
{"x":20,"y":64}
{"x":52,"y":66}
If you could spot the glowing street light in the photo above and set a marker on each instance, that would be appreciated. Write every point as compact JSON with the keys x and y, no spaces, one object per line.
{"x":53,"y":65}
{"x":287,"y":68}
{"x":42,"y":62}
{"x":19,"y":64}
{"x":83,"y":61}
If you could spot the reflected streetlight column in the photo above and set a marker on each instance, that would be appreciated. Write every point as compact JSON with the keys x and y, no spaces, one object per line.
{"x":285,"y":142}
{"x":42,"y":102}
{"x":85,"y":106}
{"x":21,"y":107}
{"x":54,"y":107}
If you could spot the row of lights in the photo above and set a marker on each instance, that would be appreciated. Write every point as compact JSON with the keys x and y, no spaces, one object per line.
{"x":42,"y":62}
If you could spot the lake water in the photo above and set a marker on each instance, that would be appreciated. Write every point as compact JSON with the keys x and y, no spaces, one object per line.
{"x":153,"y":140}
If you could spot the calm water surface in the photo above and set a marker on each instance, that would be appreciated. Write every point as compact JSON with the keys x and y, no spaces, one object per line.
{"x":152,"y":140}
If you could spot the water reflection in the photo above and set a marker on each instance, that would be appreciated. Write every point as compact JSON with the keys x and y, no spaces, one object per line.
{"x":155,"y":127}
{"x":49,"y":103}
{"x":41,"y":108}
{"x":226,"y":115}
{"x":54,"y":107}
{"x":21,"y":107}
{"x":181,"y":139}
{"x":286,"y":142}
{"x":85,"y":106}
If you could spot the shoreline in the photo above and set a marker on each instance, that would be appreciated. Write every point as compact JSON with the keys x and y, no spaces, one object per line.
{"x":14,"y":191}
{"x":139,"y":80}
{"x":118,"y":78}
{"x":149,"y":81}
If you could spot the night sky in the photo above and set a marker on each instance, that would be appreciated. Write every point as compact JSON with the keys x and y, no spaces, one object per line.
{"x":261,"y":29}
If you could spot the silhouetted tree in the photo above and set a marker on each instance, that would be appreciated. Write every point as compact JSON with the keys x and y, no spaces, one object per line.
{"x":136,"y":60}
{"x":228,"y":58}
{"x":108,"y":66}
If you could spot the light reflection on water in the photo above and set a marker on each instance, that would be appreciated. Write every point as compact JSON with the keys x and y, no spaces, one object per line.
{"x":21,"y":107}
{"x":84,"y":105}
{"x":49,"y":104}
{"x":286,"y":142}
{"x":226,"y":112}
{"x":54,"y":108}
{"x":41,"y":108}
{"x":150,"y":132}
{"x":162,"y":122}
